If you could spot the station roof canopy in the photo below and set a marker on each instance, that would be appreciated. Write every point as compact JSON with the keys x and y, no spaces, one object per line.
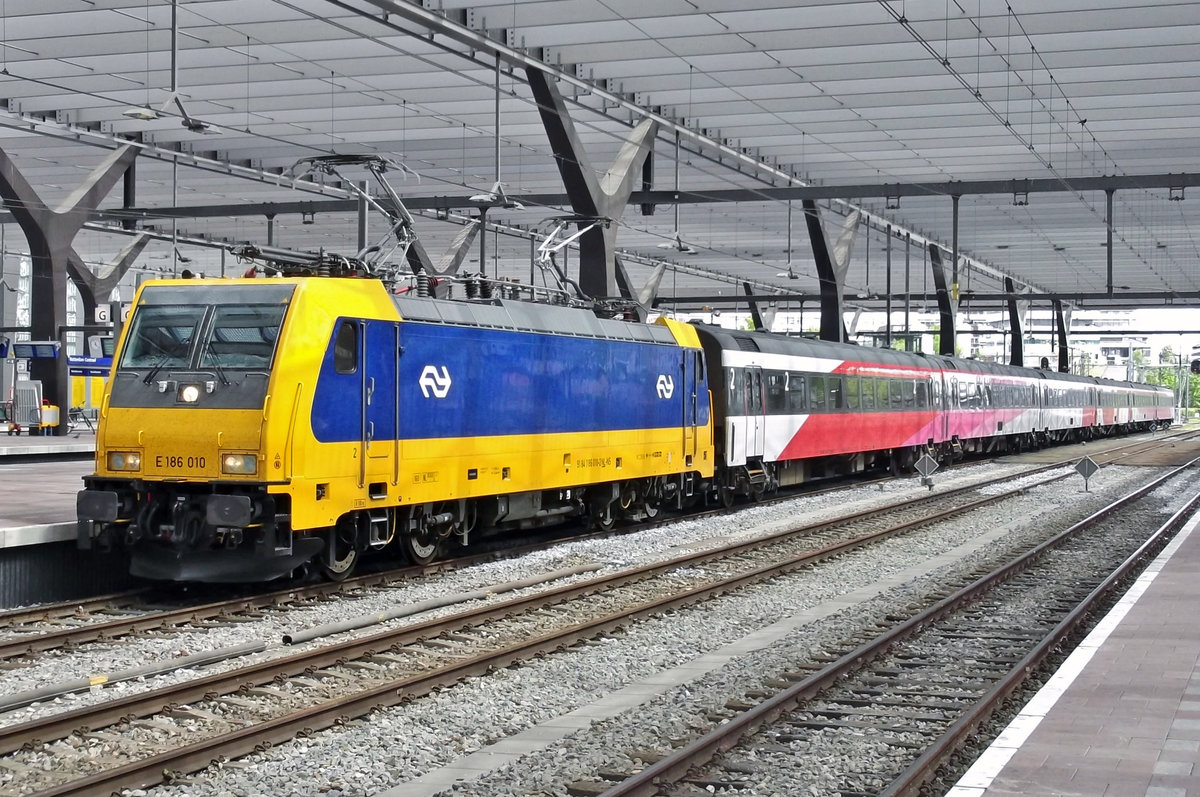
{"x":1035,"y":115}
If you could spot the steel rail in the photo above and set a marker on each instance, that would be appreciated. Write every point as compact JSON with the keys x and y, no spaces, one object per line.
{"x":29,"y":644}
{"x":62,"y":609}
{"x":51,"y":640}
{"x":676,"y":765}
{"x":910,"y":782}
{"x":14,"y":737}
{"x":148,"y":771}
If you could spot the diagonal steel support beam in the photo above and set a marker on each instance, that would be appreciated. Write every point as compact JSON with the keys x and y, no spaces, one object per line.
{"x":50,"y":232}
{"x":1015,"y":327}
{"x":946,"y":337}
{"x":832,"y":326}
{"x":592,"y":196}
{"x":761,"y":314}
{"x":1062,"y":321}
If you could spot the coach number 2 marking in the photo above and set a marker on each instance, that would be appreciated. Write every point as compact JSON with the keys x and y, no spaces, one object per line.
{"x":435,"y":382}
{"x":666,"y":386}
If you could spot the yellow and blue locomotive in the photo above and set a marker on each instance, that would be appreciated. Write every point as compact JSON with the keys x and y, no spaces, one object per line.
{"x":251,"y":427}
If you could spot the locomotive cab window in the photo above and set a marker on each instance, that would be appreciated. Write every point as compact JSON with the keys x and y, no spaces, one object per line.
{"x":161,"y":337}
{"x":210,"y":327}
{"x":242,"y":336}
{"x":345,"y":348}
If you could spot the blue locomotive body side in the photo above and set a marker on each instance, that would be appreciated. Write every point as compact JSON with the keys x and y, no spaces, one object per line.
{"x":462,"y":382}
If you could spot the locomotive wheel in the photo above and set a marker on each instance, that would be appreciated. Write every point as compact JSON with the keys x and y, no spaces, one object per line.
{"x":604,"y":518}
{"x":340,"y":555}
{"x":725,"y":495}
{"x":650,"y":509}
{"x":419,"y":548}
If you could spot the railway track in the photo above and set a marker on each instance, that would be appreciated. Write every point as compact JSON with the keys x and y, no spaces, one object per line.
{"x":897,"y":709}
{"x":106,"y":619}
{"x":226,"y":715}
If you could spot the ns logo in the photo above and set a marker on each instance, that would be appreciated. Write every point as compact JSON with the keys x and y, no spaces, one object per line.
{"x":665,"y":386}
{"x":435,"y":382}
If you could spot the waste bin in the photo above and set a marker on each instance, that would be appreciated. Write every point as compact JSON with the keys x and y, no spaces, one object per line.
{"x":49,"y":417}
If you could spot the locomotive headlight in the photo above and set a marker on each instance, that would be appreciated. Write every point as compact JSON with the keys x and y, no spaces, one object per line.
{"x":239,"y":464}
{"x":124,"y":460}
{"x":189,"y":394}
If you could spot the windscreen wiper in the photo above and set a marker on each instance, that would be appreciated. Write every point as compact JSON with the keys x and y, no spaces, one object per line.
{"x":166,"y":358}
{"x":208,"y":351}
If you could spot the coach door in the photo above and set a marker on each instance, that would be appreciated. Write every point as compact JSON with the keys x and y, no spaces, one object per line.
{"x":948,"y":405}
{"x":380,"y":342}
{"x":756,"y":420}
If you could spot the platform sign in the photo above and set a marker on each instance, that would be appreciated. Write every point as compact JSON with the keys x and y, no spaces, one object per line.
{"x":36,"y":349}
{"x":103,"y":313}
{"x":926,"y":466}
{"x":1087,"y":468}
{"x":88,"y":366}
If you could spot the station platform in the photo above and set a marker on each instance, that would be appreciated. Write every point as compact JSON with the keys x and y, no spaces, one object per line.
{"x":37,"y":499}
{"x":39,"y":559}
{"x":1121,"y":717}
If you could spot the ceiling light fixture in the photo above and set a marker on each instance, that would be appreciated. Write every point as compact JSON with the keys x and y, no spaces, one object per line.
{"x":142,"y":114}
{"x":496,"y":198}
{"x":678,"y":245}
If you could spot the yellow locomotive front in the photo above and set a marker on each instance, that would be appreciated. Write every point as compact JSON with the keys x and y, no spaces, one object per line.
{"x":182,"y":472}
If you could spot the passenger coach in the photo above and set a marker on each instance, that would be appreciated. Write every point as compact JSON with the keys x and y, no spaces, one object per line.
{"x":791,"y":409}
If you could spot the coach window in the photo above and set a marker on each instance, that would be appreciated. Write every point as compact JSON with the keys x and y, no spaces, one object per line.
{"x":816,"y":393}
{"x":868,"y":393}
{"x":833,"y":384}
{"x":795,"y":393}
{"x":776,"y":392}
{"x":922,"y":394}
{"x":737,"y":392}
{"x":852,"y":392}
{"x":345,"y":348}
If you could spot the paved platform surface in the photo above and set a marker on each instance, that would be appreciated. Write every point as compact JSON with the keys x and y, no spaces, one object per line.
{"x":1121,"y":718}
{"x":37,"y":499}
